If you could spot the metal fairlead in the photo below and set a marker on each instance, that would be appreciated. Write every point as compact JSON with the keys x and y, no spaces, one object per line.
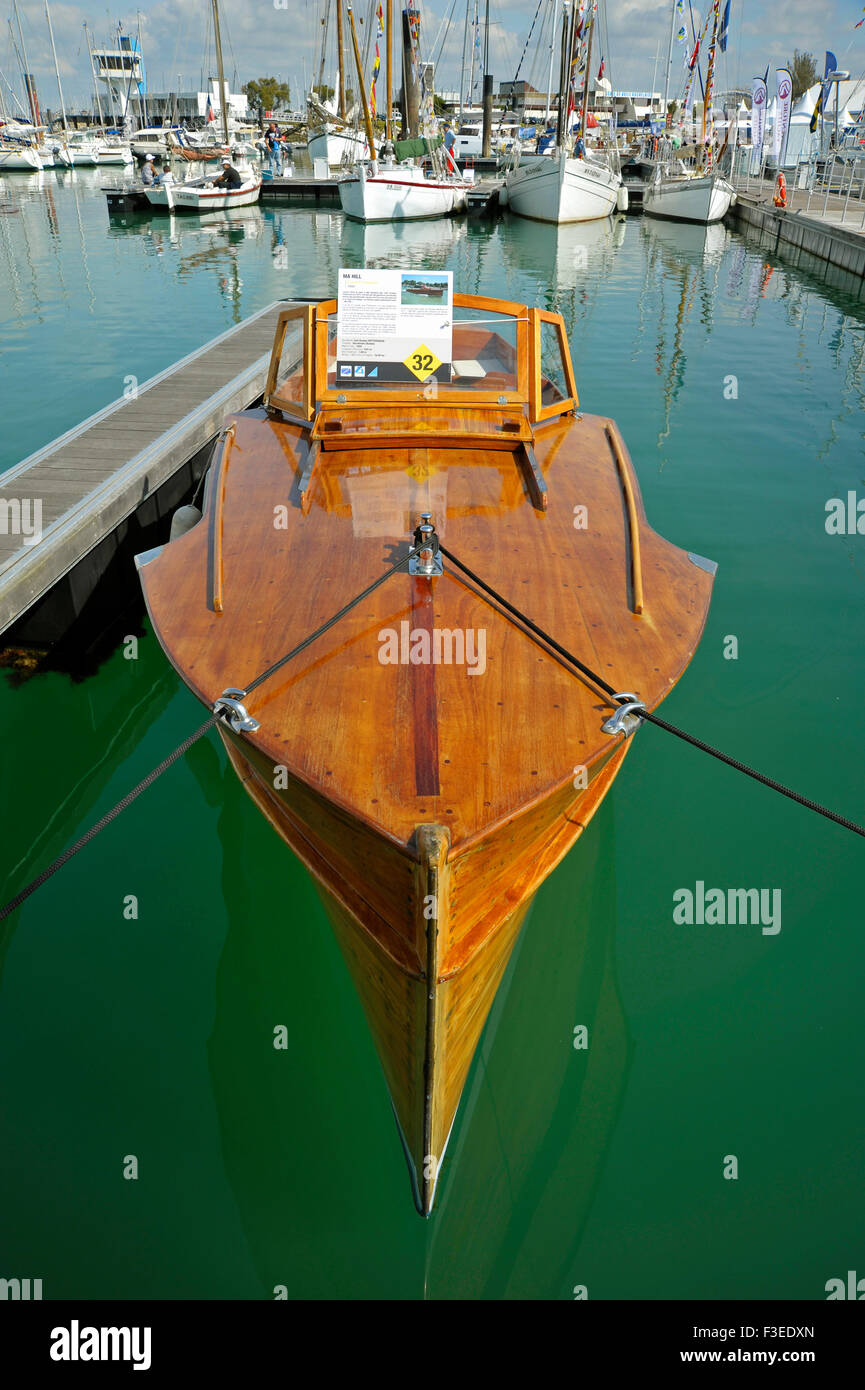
{"x":425,"y":558}
{"x":235,"y":714}
{"x":625,"y":719}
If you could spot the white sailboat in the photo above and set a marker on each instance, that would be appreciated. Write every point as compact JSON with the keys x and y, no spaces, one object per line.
{"x":331,"y":136}
{"x":20,"y":159}
{"x":564,"y":186}
{"x":682,"y":195}
{"x":390,"y":192}
{"x":394,"y":189}
{"x":679,"y":194}
{"x":203,"y":194}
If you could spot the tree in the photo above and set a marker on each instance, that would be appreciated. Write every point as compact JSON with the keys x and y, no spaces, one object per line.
{"x":267,"y":93}
{"x":803,"y":70}
{"x":324,"y":93}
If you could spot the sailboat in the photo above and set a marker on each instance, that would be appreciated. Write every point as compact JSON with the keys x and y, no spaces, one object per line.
{"x":330,"y":136}
{"x":562,"y":186}
{"x":395,"y":186}
{"x":201,"y":194}
{"x":427,"y":754}
{"x":680,"y":194}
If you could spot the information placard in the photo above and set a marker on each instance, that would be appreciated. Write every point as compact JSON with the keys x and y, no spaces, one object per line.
{"x":394,"y":326}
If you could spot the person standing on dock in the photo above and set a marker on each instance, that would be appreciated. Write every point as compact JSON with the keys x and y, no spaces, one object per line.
{"x":274,"y":150}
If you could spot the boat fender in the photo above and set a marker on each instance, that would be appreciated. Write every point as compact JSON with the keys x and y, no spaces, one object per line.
{"x":503,"y":196}
{"x":183,"y":520}
{"x":622,"y":198}
{"x":780,"y":199}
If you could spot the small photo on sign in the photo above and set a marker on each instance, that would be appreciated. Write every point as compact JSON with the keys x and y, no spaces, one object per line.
{"x":424,"y":289}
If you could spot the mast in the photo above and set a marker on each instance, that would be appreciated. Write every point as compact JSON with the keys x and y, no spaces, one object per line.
{"x":564,"y":73}
{"x":486,"y":129}
{"x":552,"y":57}
{"x":710,"y":76}
{"x":463,"y":71}
{"x":340,"y":59}
{"x":585,"y":114}
{"x":223,"y":100}
{"x":669,"y":59}
{"x":142,"y":99}
{"x":57,"y":70}
{"x":93,"y":72}
{"x":409,"y":84}
{"x":28,"y":81}
{"x":370,"y":134}
{"x":388,"y":24}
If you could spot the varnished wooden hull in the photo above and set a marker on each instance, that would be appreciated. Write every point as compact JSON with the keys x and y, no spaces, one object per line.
{"x":429,"y":795}
{"x":426,"y":1015}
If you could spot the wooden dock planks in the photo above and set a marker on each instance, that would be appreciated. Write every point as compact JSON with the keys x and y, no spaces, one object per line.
{"x":92,"y":478}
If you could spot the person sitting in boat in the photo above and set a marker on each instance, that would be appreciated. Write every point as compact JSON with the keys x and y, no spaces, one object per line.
{"x":148,"y":173}
{"x":229,"y":178}
{"x":579,"y":147}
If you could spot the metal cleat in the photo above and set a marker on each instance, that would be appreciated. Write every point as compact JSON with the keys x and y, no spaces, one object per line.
{"x":626,"y":718}
{"x":234,"y":713}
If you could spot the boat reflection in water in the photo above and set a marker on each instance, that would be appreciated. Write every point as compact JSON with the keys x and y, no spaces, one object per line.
{"x":305,"y":1128}
{"x":572,"y":257}
{"x":401,"y":245}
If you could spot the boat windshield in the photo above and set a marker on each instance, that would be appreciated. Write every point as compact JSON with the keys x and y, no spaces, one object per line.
{"x":501,"y":354}
{"x":484,"y":357}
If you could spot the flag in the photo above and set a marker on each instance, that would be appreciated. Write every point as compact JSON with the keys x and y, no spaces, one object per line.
{"x":694,"y":56}
{"x":722,"y":32}
{"x":209,"y":115}
{"x":682,"y":35}
{"x":601,"y":69}
{"x":759,"y":93}
{"x":781,"y":128}
{"x":861,"y":21}
{"x":377,"y":62}
{"x":830,"y":65}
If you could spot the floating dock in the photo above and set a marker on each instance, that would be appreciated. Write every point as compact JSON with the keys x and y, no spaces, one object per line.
{"x":316,"y":190}
{"x":106,"y":489}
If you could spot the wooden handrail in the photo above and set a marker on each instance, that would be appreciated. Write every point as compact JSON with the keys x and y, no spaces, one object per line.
{"x":215,"y":525}
{"x":633,"y":520}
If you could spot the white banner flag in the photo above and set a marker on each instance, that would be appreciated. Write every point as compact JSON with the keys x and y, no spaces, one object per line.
{"x":782,"y":115}
{"x":758,"y":117}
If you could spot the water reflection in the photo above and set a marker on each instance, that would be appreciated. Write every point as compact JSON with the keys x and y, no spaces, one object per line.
{"x":308,"y":1129}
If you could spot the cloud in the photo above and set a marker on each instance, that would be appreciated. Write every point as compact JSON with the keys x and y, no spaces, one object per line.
{"x":260,"y":39}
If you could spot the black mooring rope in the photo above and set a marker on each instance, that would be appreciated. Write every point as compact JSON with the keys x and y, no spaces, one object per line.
{"x":186,"y":744}
{"x":760,"y":777}
{"x":106,"y":819}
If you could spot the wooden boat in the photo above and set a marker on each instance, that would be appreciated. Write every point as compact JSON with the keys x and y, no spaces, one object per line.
{"x":428,"y":792}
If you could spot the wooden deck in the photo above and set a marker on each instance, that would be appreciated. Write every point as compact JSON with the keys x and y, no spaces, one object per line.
{"x":89,"y":481}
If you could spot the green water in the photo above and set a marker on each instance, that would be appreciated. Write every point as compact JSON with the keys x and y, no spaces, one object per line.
{"x":153,"y":1037}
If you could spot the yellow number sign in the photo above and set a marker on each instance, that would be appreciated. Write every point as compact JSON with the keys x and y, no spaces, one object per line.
{"x":422,"y":362}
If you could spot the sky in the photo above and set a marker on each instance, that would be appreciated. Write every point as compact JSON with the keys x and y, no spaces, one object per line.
{"x":281,"y":38}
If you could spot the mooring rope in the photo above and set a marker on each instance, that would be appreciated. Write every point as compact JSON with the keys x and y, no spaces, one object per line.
{"x":533,"y":630}
{"x":187,"y":743}
{"x":538,"y":632}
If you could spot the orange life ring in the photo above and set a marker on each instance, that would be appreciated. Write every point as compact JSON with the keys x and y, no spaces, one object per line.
{"x":780,"y":198}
